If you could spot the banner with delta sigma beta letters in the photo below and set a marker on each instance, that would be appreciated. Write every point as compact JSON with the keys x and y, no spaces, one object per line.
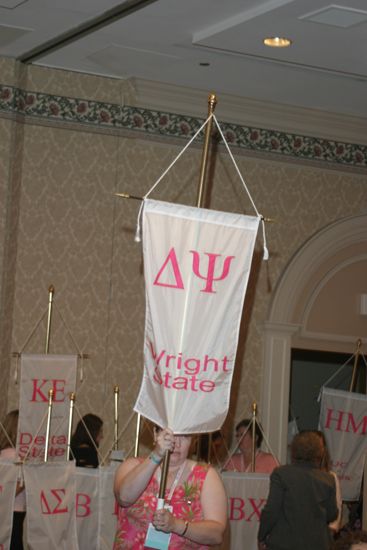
{"x":343,"y":419}
{"x":197,"y":263}
{"x":39,"y":374}
{"x":51,"y":500}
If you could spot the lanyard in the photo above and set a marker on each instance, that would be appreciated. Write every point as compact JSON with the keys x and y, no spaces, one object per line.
{"x":175,"y":482}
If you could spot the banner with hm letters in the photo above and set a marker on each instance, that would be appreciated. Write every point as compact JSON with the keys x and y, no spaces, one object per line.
{"x":343,"y":419}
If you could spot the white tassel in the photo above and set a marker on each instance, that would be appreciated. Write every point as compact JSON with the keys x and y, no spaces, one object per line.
{"x":265,"y":248}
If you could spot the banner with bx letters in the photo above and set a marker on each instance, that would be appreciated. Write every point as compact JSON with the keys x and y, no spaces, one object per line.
{"x":247,"y":495}
{"x":196,"y":265}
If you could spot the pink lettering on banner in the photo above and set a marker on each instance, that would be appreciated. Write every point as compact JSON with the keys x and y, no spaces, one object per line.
{"x":245,"y":509}
{"x":57,"y":446}
{"x":39,"y":395}
{"x":191,"y":367}
{"x":172,"y":259}
{"x":171,"y":263}
{"x":209,"y":278}
{"x":52,"y":504}
{"x":343,"y":421}
{"x":83,"y":505}
{"x":2,"y":547}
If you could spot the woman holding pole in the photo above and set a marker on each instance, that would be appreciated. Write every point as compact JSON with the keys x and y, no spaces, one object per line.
{"x":195,"y":511}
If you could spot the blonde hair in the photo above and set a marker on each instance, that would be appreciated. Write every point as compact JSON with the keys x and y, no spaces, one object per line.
{"x":10,"y":425}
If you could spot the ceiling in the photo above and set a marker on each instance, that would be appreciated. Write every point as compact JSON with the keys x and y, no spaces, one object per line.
{"x":212,"y":45}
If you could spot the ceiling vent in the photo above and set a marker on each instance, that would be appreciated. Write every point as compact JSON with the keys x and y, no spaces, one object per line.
{"x":11,"y":34}
{"x":336,"y":16}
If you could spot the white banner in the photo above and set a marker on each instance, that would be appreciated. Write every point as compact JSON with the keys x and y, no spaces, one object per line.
{"x":86,"y":507}
{"x":247,"y":495}
{"x":8,"y":484}
{"x":197,"y":264}
{"x":51,"y":497}
{"x":39,"y":374}
{"x":108,"y":507}
{"x":343,"y":419}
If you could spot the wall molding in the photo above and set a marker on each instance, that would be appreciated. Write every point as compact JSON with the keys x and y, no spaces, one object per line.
{"x":155,"y":123}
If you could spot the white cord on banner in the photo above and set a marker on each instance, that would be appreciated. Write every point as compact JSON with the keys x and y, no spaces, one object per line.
{"x":122,"y":431}
{"x":334,"y":375}
{"x":33,"y":331}
{"x":138,"y":226}
{"x":266,"y":251}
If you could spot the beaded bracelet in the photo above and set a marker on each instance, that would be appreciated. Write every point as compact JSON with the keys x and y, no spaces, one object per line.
{"x":184,"y":531}
{"x":156,"y":459}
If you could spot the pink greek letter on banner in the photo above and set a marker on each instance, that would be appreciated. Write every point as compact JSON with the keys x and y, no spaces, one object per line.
{"x":196,"y":266}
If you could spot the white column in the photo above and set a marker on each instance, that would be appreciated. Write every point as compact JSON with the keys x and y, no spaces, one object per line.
{"x":275,"y":385}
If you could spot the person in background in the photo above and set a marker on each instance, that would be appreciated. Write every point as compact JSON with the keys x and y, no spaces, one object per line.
{"x":8,"y":451}
{"x":241,"y":461}
{"x":198,"y":514}
{"x":326,"y":466}
{"x":85,"y":441}
{"x":301,"y":501}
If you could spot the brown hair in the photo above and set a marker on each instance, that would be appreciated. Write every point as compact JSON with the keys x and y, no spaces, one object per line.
{"x":10,"y":425}
{"x":307,"y":447}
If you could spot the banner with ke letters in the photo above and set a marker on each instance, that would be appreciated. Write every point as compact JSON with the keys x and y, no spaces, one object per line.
{"x":196,"y":264}
{"x":39,"y":374}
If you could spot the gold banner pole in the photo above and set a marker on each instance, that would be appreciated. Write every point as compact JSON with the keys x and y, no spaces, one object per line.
{"x":51,"y":291}
{"x":212,"y":101}
{"x":355,"y":366}
{"x":253,"y":427}
{"x":49,"y":414}
{"x":70,"y":427}
{"x":137,"y":434}
{"x":116,"y":419}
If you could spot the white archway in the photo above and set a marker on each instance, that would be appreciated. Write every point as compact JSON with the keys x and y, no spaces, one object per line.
{"x":329,"y":249}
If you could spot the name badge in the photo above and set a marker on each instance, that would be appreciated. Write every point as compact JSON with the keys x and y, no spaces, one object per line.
{"x":157,"y":539}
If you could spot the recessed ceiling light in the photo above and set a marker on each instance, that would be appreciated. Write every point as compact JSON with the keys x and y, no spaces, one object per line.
{"x":277,"y":42}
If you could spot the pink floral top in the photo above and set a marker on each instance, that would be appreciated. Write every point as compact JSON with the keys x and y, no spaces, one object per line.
{"x":133,"y":521}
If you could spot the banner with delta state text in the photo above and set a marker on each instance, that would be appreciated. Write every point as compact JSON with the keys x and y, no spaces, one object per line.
{"x":196,"y":264}
{"x":39,"y":374}
{"x":343,"y":419}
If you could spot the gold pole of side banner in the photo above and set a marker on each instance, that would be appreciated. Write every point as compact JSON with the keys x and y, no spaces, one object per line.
{"x":212,"y":101}
{"x":51,"y":291}
{"x":253,"y":427}
{"x":355,"y":366}
{"x":70,"y":426}
{"x":116,"y":391}
{"x":49,"y":414}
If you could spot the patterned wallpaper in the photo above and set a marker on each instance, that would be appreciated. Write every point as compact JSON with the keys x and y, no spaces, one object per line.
{"x":68,"y":229}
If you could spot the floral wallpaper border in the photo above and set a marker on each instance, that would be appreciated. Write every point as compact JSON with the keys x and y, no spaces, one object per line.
{"x":111,"y":116}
